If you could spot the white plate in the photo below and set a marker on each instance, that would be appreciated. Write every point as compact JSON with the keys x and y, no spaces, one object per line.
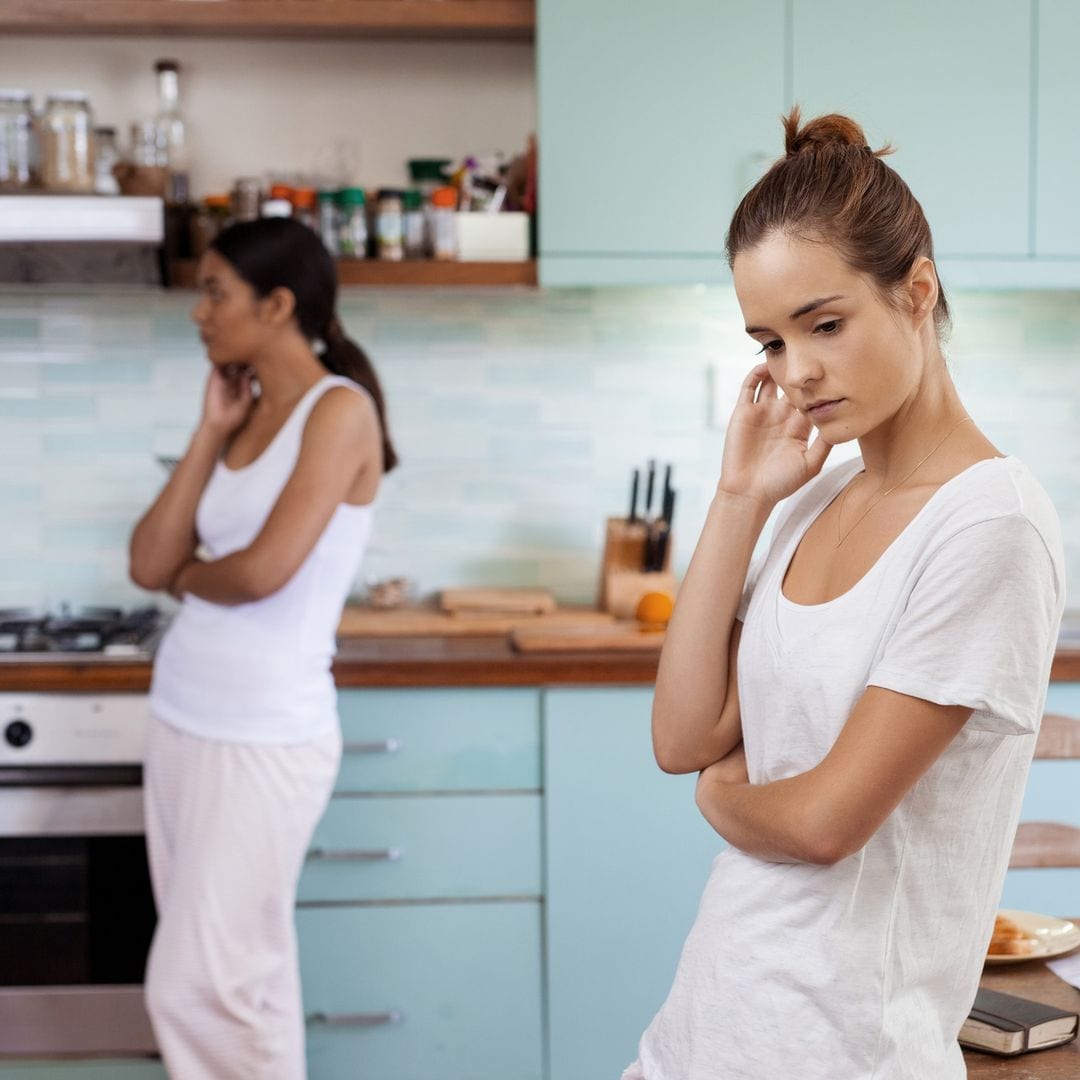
{"x":1052,"y":937}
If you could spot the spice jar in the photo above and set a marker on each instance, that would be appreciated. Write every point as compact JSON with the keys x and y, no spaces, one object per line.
{"x":352,"y":227}
{"x":246,"y":196}
{"x":68,"y":142}
{"x":16,"y":136}
{"x":106,"y":158}
{"x":211,"y":217}
{"x":444,"y":241}
{"x":328,"y":222}
{"x":414,"y":232}
{"x":388,"y":226}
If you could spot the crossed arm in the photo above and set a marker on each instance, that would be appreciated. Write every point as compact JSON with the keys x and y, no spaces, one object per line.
{"x":831,"y":811}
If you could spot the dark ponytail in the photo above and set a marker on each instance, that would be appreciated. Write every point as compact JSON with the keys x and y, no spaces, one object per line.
{"x":279,"y":253}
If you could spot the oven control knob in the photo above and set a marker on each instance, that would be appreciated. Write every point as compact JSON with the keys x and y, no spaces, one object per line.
{"x":18,"y":733}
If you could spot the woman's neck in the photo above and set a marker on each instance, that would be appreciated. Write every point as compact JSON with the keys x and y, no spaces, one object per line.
{"x":286,"y":373}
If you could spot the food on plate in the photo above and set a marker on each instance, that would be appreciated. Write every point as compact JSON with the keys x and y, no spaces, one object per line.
{"x":1010,"y":939}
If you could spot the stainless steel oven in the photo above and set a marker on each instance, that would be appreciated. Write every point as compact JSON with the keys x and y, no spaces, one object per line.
{"x":76,"y":910}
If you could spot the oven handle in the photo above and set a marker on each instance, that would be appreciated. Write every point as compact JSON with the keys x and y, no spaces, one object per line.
{"x":66,"y":776}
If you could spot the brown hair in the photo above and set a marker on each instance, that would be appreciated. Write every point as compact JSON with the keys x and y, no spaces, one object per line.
{"x":831,"y":186}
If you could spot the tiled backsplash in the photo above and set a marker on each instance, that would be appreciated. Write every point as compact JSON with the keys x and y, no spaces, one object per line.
{"x":517,"y":415}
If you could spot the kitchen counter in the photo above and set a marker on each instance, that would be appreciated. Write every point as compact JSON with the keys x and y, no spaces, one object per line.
{"x":1036,"y":981}
{"x":396,"y":662}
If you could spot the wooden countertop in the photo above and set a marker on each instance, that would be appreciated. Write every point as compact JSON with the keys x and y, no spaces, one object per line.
{"x":426,"y":661}
{"x":1036,"y":981}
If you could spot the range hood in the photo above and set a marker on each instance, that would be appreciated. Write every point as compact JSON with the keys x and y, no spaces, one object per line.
{"x":81,"y":239}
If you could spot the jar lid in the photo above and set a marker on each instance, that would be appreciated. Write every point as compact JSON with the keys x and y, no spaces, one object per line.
{"x":71,"y":97}
{"x":444,"y":196}
{"x":216,"y":202}
{"x":351,"y":196}
{"x":328,"y":195}
{"x":304,"y":197}
{"x":280,"y":191}
{"x":166,"y":65}
{"x":390,"y":193}
{"x":428,"y":169}
{"x":277,"y":208}
{"x":106,"y":130}
{"x":412,"y":199}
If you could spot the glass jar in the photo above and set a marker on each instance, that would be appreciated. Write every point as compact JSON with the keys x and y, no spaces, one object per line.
{"x":388,"y":226}
{"x":246,"y":197}
{"x":106,"y":157}
{"x":444,"y":241}
{"x":67,"y":134}
{"x":277,"y":208}
{"x":352,"y":224}
{"x":328,"y":222}
{"x":414,"y":232}
{"x":16,"y":138}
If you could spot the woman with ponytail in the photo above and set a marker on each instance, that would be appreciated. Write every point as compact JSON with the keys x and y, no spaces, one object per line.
{"x":259,"y":533}
{"x":861,"y":702}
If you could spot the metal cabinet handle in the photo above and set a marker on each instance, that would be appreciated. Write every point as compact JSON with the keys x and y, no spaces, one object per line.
{"x":391,"y":1016}
{"x":390,"y":854}
{"x":380,"y":746}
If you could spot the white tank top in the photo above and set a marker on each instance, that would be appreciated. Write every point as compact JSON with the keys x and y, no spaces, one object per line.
{"x":260,"y":672}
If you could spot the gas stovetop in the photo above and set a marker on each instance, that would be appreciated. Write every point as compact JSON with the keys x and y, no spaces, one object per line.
{"x":89,"y":633}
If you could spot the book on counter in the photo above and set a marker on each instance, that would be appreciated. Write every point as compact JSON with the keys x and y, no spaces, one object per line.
{"x":1006,"y":1024}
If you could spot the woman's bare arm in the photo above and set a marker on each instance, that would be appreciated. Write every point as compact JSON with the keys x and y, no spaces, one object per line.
{"x":164,"y":539}
{"x":832,"y":810}
{"x":340,"y":440}
{"x":767,"y":456}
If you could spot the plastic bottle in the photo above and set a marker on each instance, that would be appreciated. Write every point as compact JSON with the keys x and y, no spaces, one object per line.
{"x":389,"y":226}
{"x":352,"y":224}
{"x":414,"y":230}
{"x":328,"y":222}
{"x":444,"y":241}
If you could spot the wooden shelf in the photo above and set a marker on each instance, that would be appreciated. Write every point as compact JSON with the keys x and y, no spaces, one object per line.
{"x":498,"y":19}
{"x":416,"y":274}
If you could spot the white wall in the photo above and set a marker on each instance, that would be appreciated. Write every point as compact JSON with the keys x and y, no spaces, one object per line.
{"x":299,"y":106}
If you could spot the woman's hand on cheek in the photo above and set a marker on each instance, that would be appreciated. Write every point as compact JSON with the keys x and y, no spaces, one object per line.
{"x":228,"y":398}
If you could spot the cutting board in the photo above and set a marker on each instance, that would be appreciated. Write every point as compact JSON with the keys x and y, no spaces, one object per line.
{"x":617,"y":637}
{"x":364,"y":622}
{"x":509,"y":601}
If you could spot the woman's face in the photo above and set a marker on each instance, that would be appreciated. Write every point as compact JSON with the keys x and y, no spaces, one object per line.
{"x":228,"y":314}
{"x":829,"y":337}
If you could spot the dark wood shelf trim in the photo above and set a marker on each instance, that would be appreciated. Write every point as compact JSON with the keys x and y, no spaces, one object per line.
{"x":416,"y":274}
{"x":499,"y":19}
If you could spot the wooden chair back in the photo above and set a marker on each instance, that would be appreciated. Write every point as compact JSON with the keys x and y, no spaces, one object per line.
{"x":1051,"y":843}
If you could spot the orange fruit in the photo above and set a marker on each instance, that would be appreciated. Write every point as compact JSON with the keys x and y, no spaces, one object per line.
{"x":654,"y":610}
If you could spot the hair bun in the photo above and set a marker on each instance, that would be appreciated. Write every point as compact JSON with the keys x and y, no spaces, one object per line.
{"x":833,"y":129}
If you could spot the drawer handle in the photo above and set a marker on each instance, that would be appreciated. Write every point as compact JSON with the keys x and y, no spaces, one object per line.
{"x":379,"y":746}
{"x":391,"y":1016}
{"x":390,"y":854}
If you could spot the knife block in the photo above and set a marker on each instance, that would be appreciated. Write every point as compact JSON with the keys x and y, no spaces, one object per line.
{"x":622,"y":581}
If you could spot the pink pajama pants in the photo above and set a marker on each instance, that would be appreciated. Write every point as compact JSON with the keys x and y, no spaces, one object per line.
{"x":227,"y":828}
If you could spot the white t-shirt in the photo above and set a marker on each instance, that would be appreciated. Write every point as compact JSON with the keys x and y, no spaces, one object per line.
{"x":260,"y":672}
{"x":866,"y":969}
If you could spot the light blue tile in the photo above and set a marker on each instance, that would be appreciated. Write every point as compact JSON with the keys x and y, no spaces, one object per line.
{"x":98,"y":442}
{"x":48,"y":408}
{"x":125,"y":372}
{"x":22,"y":329}
{"x":17,"y":493}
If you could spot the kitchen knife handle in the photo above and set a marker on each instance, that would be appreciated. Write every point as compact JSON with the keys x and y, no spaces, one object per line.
{"x":322,"y":1019}
{"x":390,"y":854}
{"x":382,"y":746}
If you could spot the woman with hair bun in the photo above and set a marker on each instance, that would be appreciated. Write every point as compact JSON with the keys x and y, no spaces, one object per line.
{"x":861,"y":701}
{"x":259,"y":532}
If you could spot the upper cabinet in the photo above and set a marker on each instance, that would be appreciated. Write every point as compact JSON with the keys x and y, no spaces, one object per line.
{"x":507,"y":19}
{"x":1057,"y":149}
{"x":653,"y":121}
{"x":950,"y":87}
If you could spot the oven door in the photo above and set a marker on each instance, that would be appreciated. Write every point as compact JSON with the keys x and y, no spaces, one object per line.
{"x":76,"y":912}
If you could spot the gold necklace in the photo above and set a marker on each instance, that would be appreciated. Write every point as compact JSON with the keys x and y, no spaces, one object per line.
{"x":874,"y":502}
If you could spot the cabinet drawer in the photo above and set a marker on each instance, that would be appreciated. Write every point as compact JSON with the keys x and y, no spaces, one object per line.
{"x":411,"y":993}
{"x":417,"y":847}
{"x":440,"y":740}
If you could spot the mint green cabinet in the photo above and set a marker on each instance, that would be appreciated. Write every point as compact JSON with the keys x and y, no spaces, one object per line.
{"x":651,"y":117}
{"x":419,"y":907}
{"x":950,"y":86}
{"x":627,"y":858}
{"x":1057,"y":206}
